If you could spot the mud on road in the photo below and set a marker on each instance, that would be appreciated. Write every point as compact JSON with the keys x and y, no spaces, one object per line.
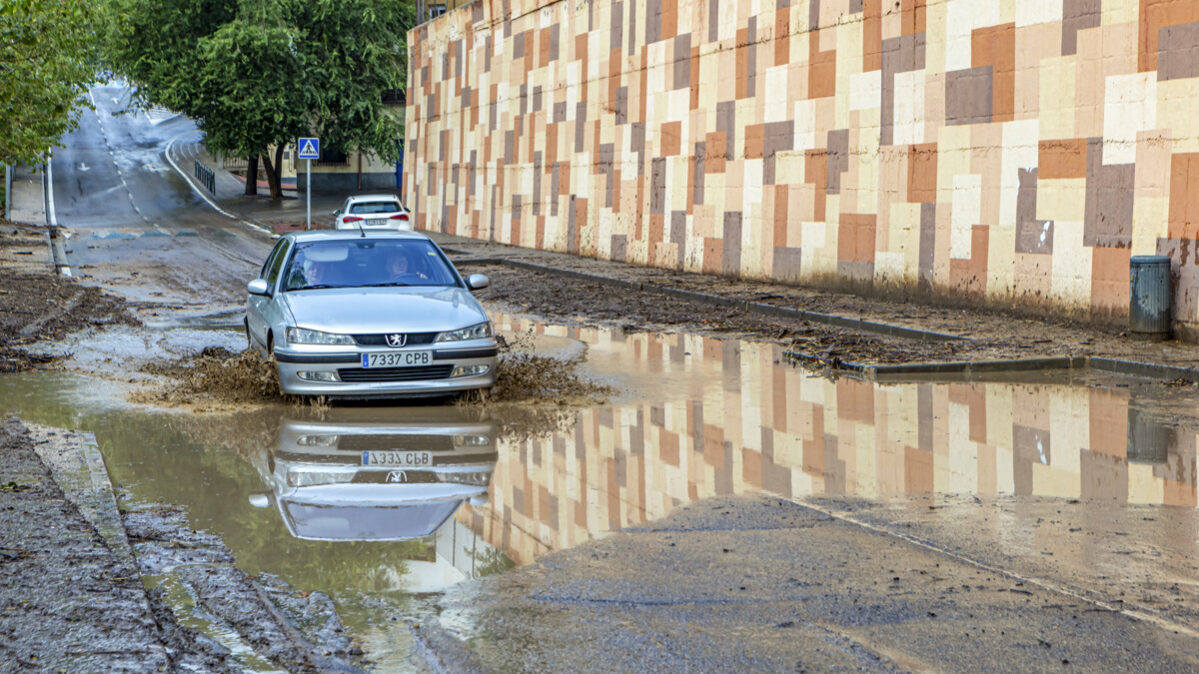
{"x":37,"y":305}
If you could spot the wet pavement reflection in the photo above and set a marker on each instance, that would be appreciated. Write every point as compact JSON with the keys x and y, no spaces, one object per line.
{"x":378,"y":506}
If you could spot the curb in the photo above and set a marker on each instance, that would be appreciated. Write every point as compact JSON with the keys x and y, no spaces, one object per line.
{"x":744,"y":305}
{"x":903,"y":371}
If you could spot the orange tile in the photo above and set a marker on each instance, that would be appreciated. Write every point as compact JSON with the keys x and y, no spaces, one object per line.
{"x":1183,"y":219}
{"x":1109,"y":280}
{"x":715,"y":149}
{"x":922,"y":173}
{"x":872,"y":35}
{"x":754,"y":140}
{"x":671,"y":135}
{"x":782,"y":36}
{"x":815,"y":172}
{"x":995,"y":46}
{"x":1065,"y":158}
{"x":856,"y":237}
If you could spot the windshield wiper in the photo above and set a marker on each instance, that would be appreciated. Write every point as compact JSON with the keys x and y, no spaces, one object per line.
{"x":388,"y":284}
{"x":317,"y":286}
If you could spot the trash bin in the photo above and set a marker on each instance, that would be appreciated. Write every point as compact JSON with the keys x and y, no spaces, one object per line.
{"x":1149,"y":438}
{"x":1149,"y":312}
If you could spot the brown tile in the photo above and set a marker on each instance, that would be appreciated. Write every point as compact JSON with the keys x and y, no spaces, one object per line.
{"x":838,"y":158}
{"x":1109,"y":200}
{"x":968,"y":96}
{"x":681,"y":63}
{"x":1176,"y":55}
{"x":922,"y":173}
{"x":1066,"y":158}
{"x":730,"y":263}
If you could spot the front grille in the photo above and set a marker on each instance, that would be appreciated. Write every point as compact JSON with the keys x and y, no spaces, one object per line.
{"x":429,"y":441}
{"x":414,"y":338}
{"x":376,"y":374}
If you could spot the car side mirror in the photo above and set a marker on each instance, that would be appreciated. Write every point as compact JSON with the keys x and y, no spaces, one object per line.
{"x":477,"y":281}
{"x":337,"y":213}
{"x":260,"y":500}
{"x":258,"y":286}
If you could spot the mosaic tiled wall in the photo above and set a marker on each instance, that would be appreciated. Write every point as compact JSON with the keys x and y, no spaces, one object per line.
{"x":770,"y":427}
{"x":1017,"y":149}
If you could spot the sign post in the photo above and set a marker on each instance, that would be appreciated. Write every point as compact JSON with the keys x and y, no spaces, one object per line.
{"x":310,"y":148}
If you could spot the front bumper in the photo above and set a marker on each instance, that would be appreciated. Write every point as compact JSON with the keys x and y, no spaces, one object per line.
{"x":355,"y":381}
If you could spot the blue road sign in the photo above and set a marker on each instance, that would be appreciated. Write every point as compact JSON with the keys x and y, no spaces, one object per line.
{"x":310,"y":148}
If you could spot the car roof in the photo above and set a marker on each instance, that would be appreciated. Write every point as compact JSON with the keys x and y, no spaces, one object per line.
{"x":348,"y":234}
{"x":372,"y":197}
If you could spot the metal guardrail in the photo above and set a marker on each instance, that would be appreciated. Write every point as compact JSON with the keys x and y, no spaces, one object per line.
{"x":206,"y":176}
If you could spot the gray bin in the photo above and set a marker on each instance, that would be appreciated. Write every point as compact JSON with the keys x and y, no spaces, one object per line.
{"x":1149,"y":313}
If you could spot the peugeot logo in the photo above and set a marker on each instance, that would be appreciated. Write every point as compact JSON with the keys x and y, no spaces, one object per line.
{"x":397,"y":476}
{"x":397,"y":339}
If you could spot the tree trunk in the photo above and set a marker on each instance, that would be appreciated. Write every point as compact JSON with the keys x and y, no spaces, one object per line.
{"x":252,"y":176}
{"x":274,"y":176}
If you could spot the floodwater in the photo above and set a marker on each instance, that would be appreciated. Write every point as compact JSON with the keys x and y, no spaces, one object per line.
{"x":450,"y":496}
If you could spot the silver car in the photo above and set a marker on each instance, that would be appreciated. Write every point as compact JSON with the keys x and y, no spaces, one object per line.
{"x":351,"y":476}
{"x":369,"y":314}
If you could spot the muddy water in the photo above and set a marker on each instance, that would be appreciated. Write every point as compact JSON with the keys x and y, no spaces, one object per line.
{"x":453,"y":498}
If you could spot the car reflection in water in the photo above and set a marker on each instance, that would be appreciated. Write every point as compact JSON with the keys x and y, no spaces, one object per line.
{"x":365,"y":475}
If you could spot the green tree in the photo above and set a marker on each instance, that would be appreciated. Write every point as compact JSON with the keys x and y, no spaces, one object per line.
{"x":48,"y":56}
{"x":256,"y":74}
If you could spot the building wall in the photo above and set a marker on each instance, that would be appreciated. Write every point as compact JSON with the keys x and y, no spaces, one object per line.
{"x":1014,"y":150}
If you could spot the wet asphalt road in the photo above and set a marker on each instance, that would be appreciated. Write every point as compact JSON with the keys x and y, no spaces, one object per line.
{"x":747,"y":582}
{"x":135,"y":225}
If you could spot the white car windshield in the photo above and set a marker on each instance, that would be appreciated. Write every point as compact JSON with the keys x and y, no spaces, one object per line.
{"x":366,"y":263}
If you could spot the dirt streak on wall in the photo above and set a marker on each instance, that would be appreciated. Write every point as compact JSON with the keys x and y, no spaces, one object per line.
{"x":1018,"y":150}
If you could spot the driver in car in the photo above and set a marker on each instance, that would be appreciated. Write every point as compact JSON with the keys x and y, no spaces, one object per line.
{"x":400,"y":270}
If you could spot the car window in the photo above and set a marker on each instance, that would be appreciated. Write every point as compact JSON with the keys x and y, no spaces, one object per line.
{"x":270,"y":270}
{"x":369,"y":263}
{"x":368,"y":207}
{"x":276,"y":262}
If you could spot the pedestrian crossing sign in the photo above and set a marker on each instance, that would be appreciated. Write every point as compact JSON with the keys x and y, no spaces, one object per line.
{"x":310,"y":148}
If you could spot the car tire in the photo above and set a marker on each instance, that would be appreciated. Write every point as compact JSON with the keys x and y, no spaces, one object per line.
{"x":249,"y":337}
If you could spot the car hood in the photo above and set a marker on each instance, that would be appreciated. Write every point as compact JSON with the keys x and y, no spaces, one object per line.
{"x":377,"y":310}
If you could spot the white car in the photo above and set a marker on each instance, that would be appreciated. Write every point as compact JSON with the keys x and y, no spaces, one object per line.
{"x":372,"y":211}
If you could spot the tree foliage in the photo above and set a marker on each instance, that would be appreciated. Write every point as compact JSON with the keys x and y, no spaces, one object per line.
{"x":48,"y":56}
{"x":256,"y":74}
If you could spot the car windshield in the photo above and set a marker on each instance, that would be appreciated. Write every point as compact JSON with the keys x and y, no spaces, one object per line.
{"x":368,"y":207}
{"x":366,"y":263}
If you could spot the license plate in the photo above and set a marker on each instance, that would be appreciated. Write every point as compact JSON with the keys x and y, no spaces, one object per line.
{"x":398,"y":459}
{"x":397,"y":359}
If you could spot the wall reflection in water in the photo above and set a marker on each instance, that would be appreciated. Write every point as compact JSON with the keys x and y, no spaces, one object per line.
{"x":758,"y":424}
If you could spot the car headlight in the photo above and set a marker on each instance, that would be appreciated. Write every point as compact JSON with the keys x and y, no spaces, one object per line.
{"x":306,"y":336}
{"x":473,"y":332}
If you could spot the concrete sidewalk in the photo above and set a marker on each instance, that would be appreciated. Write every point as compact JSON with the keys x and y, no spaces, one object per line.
{"x":28,"y":201}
